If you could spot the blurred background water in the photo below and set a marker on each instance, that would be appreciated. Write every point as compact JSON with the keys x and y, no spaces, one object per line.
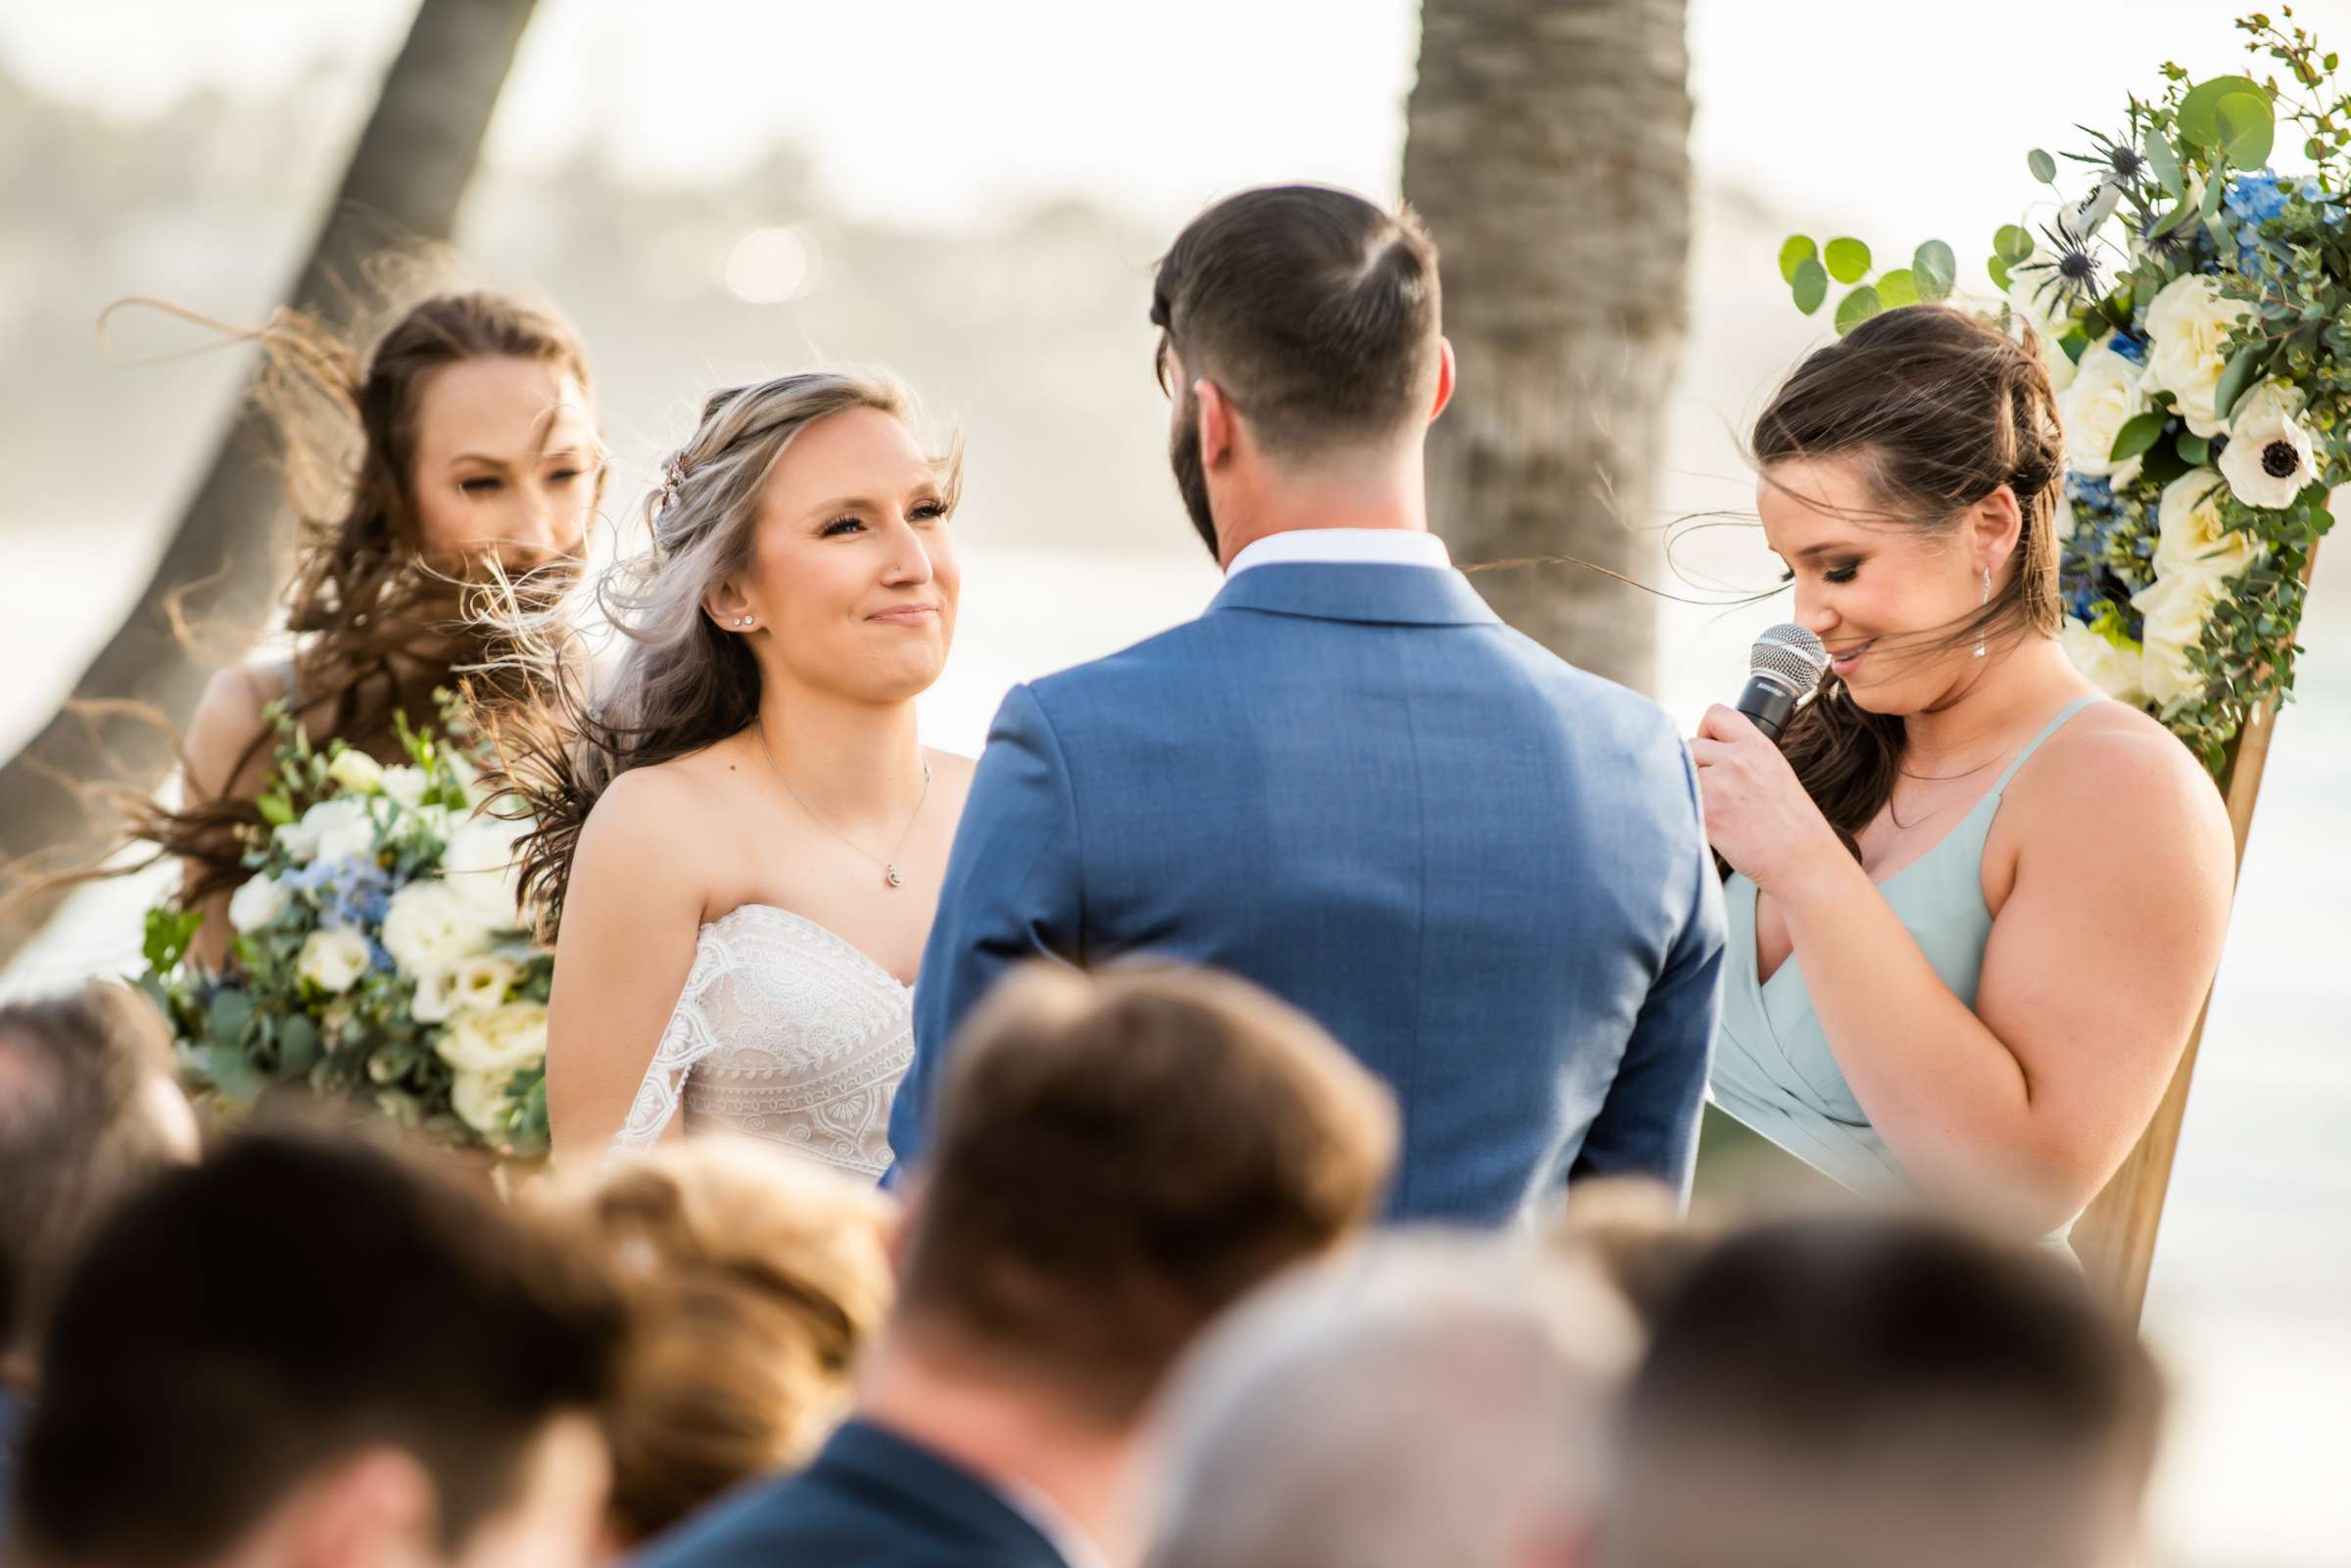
{"x":976,"y":202}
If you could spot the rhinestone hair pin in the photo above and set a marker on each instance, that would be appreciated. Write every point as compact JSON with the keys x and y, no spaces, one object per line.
{"x":672,"y":478}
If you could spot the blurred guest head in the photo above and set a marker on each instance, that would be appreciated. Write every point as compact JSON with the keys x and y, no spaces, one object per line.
{"x":88,"y":1110}
{"x":800,"y":543}
{"x":1631,"y":1231}
{"x":1430,"y":1400}
{"x":1298,"y":340}
{"x":1119,"y":1158}
{"x":1860,"y":1391}
{"x":753,"y":1277}
{"x":306,"y":1353}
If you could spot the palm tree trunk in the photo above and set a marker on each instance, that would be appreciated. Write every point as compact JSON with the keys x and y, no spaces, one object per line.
{"x":1548,"y":150}
{"x":405,"y":181}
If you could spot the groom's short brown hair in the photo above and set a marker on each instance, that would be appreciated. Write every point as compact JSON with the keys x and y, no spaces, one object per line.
{"x":1119,"y":1158}
{"x":1314,"y":310}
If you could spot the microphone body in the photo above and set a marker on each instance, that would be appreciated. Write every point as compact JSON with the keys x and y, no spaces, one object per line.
{"x":1767,"y":700}
{"x":1785,"y":667}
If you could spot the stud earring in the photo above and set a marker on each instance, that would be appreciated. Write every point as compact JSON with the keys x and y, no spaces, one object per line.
{"x":742,"y":620}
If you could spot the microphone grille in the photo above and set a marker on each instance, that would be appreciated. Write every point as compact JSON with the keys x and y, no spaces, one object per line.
{"x":1791,"y":656}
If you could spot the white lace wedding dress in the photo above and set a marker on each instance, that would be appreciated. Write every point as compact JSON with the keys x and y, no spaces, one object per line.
{"x":784,"y":1031}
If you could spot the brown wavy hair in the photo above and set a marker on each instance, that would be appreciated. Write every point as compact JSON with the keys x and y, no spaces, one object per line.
{"x":383,"y":624}
{"x":681,"y":683}
{"x":752,"y":1278}
{"x":1938,"y":408}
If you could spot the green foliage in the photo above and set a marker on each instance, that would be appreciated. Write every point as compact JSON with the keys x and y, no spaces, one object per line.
{"x":1847,"y":260}
{"x":1798,"y":250}
{"x":2137,"y":435}
{"x":1898,"y":288}
{"x":1856,"y":307}
{"x":1935,"y":268}
{"x":2043,"y":167}
{"x":1812,"y":284}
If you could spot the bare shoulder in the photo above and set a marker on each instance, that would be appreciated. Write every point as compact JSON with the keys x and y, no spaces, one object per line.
{"x":951,"y":775}
{"x":2117,"y":767}
{"x":228,"y":719}
{"x":645,"y":810}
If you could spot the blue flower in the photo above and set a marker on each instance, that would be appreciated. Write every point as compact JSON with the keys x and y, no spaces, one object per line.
{"x":2255,"y":199}
{"x":2131,"y":348}
{"x":2091,"y":493}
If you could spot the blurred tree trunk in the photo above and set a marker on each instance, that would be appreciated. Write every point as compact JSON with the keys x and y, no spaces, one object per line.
{"x":404,"y":181}
{"x":1548,"y":149}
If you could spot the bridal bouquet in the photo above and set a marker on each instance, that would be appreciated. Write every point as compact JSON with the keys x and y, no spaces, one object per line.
{"x":379,"y":955}
{"x":2194,"y":308}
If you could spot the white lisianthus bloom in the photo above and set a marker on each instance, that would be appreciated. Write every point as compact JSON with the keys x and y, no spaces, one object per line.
{"x":2106,"y":395}
{"x":355,"y":771}
{"x":2268,"y":460}
{"x":481,"y":870}
{"x":480,"y":1101}
{"x":431,"y":1003}
{"x":2114,"y":670}
{"x":505,"y":1039}
{"x":332,"y":959}
{"x":478,"y":984}
{"x":257,"y":903}
{"x":406,"y":784}
{"x":2175,"y":610}
{"x":2189,"y":541}
{"x":2188,"y":326}
{"x":427,"y":929}
{"x":342,"y":820}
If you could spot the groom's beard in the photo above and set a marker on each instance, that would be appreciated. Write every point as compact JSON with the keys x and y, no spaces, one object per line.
{"x":1191,"y":475}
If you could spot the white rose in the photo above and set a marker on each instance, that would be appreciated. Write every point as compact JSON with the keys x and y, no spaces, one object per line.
{"x":2175,"y":610}
{"x":2188,"y":326}
{"x":480,"y":1101}
{"x":257,"y":903}
{"x":406,"y":784}
{"x":481,"y":870}
{"x":2114,"y":670}
{"x":332,"y":830}
{"x":2268,"y":460}
{"x":477,"y":984}
{"x":332,"y":959}
{"x":504,"y":1039}
{"x":431,"y":1003}
{"x":2105,"y":395}
{"x":2189,"y":541}
{"x":355,"y":771}
{"x":427,"y":929}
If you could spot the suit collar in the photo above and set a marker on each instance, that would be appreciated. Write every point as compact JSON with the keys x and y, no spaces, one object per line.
{"x":911,"y":1481}
{"x":1403,"y":596}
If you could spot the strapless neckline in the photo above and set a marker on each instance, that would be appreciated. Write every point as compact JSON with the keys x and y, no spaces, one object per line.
{"x":816,"y":929}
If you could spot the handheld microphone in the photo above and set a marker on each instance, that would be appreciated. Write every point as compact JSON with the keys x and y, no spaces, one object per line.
{"x":1784,"y":666}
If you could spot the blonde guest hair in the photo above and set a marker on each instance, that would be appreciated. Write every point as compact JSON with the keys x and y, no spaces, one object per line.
{"x":752,"y":1279}
{"x":682,"y":683}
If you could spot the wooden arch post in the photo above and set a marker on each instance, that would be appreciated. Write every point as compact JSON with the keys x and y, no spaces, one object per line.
{"x":2115,"y":1237}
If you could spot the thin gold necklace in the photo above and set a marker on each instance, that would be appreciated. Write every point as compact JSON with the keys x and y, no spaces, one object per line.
{"x":889,"y":866}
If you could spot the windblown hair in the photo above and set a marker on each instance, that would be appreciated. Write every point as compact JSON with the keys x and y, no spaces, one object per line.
{"x":682,"y":682}
{"x":1939,"y":409}
{"x":383,"y":623}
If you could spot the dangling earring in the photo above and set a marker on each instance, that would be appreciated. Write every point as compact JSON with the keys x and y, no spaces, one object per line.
{"x":1987,"y":604}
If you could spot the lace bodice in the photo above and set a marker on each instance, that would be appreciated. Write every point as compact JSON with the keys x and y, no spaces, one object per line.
{"x":784,"y":1031}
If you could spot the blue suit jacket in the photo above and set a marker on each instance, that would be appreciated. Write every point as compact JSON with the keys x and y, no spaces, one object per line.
{"x":1478,"y":867}
{"x":868,"y":1499}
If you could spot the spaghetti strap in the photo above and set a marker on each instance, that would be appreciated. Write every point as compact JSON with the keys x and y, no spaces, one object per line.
{"x":2053,"y":726}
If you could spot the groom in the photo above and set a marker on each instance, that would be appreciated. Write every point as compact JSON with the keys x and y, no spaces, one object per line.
{"x":1478,"y":867}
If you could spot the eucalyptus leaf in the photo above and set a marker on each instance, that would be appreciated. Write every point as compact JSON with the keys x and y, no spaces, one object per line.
{"x":2194,"y":451}
{"x":2164,"y":163}
{"x":235,"y":1077}
{"x":2136,"y":437}
{"x":2249,"y":129}
{"x":1935,"y":268}
{"x":2178,"y":217}
{"x":1810,"y":285}
{"x":1857,"y":307}
{"x":1793,"y":254}
{"x":229,"y":1015}
{"x":2000,"y":273}
{"x":2211,"y":204}
{"x":2244,"y":368}
{"x":1847,"y":258}
{"x":2198,"y":118}
{"x":2042,"y":166}
{"x":275,"y":808}
{"x":296,"y":1043}
{"x":2012,"y":244}
{"x":1898,"y":288}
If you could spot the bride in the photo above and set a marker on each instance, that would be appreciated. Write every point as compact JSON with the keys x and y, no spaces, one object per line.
{"x":740,"y":838}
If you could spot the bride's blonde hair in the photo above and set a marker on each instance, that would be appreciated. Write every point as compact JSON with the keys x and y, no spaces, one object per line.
{"x":683,"y":683}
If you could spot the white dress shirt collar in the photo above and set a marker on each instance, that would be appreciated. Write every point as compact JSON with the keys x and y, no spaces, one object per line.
{"x":1360,"y":547}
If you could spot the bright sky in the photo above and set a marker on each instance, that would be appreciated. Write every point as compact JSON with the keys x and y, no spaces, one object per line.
{"x":1907,"y":118}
